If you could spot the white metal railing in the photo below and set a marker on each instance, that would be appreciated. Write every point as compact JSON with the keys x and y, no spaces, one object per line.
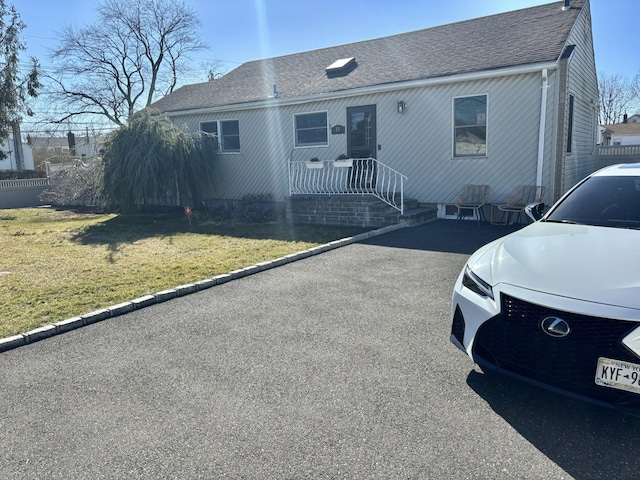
{"x":352,"y":176}
{"x":24,"y":182}
{"x":619,"y":150}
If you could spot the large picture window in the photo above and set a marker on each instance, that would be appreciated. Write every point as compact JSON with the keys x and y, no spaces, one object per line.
{"x":226,"y":133}
{"x":311,"y":129}
{"x":470,"y":126}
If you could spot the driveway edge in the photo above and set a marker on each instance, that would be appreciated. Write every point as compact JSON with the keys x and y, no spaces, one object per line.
{"x":69,"y":324}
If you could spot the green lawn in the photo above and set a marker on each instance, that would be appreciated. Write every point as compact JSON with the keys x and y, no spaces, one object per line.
{"x":57,"y":264}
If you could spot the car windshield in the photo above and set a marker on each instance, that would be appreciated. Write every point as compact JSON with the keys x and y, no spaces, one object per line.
{"x":603,"y":201}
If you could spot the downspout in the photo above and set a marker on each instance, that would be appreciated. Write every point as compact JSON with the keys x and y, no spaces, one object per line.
{"x":543,"y":123}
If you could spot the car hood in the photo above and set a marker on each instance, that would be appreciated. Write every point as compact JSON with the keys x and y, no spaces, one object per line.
{"x":595,"y":264}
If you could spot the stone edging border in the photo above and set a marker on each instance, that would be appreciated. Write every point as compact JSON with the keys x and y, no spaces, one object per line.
{"x":63,"y":326}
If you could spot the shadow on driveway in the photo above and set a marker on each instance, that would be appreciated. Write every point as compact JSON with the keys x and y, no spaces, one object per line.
{"x":450,"y":236}
{"x":585,"y":440}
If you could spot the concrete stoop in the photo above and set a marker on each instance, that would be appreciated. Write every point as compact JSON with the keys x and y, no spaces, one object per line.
{"x":419,"y":215}
{"x":352,"y":210}
{"x":413,"y":214}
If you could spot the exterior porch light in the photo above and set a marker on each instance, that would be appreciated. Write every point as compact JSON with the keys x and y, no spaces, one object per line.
{"x":401,"y":106}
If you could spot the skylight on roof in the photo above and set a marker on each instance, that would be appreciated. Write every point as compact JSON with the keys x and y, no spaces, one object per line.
{"x":341,"y":67}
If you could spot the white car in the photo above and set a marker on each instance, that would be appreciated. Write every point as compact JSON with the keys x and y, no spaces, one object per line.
{"x":557,"y":303}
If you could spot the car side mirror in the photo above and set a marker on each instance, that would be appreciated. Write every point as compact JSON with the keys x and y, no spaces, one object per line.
{"x":535,"y":210}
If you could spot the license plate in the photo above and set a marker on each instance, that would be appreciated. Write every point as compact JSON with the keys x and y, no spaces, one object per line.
{"x":618,"y":374}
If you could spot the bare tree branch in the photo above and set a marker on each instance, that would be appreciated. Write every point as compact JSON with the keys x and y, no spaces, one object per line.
{"x":618,"y":96}
{"x":126,"y":60}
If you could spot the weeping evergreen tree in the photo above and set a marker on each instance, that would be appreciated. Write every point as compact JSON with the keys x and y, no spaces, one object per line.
{"x":151,"y":159}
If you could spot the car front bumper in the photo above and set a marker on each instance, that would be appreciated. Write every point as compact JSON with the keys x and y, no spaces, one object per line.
{"x":505,"y":335}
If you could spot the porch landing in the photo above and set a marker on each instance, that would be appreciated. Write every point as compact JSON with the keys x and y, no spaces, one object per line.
{"x":350,"y":210}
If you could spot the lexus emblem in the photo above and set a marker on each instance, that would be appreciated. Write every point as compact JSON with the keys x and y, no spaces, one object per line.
{"x":555,"y":327}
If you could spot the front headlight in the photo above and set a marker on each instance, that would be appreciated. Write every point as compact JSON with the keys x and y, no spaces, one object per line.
{"x":474,"y":283}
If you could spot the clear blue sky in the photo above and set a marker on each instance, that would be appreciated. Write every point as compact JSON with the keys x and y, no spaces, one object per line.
{"x":241,"y":30}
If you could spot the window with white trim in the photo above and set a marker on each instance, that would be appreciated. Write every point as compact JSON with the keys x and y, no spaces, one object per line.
{"x":230,"y":136}
{"x":311,"y":129}
{"x":470,"y":126}
{"x":226,"y":133}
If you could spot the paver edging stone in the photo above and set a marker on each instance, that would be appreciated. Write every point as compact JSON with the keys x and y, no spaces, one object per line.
{"x":69,"y":324}
{"x":10,"y":343}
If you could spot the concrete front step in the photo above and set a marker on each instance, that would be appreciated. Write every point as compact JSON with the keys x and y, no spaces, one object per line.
{"x":419,"y":215}
{"x":413,"y":213}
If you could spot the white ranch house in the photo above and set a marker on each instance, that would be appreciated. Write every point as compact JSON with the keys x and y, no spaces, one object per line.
{"x":505,"y":100}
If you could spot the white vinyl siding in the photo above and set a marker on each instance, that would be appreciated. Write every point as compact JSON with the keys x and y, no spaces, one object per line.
{"x":417,"y":143}
{"x":580,"y":156}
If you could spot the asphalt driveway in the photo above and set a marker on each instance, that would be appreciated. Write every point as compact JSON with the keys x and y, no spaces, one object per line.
{"x":335,"y":366}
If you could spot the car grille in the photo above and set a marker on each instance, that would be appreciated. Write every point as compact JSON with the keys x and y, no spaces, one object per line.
{"x":514,"y":341}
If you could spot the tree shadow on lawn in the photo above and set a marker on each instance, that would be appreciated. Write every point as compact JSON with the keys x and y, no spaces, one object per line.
{"x":126,"y":229}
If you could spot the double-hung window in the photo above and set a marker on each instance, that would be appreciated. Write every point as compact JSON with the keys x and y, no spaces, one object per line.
{"x":226,"y":133}
{"x":311,"y":129}
{"x":230,"y":136}
{"x":470,"y":126}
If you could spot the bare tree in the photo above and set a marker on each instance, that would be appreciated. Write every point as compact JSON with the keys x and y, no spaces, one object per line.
{"x":134,"y":53}
{"x":214,"y":68}
{"x":618,"y":96}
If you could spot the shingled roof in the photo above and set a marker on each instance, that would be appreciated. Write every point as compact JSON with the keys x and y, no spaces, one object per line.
{"x":623,"y":128}
{"x":521,"y":37}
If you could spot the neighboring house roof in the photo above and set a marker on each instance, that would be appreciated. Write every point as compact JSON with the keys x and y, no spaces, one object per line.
{"x":42,"y":143}
{"x":622,"y":129}
{"x":529,"y":36}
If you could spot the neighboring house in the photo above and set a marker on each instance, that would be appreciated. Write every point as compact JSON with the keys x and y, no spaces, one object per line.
{"x":621,"y":134}
{"x":634,"y":118}
{"x":76,"y":145}
{"x":10,"y":163}
{"x":504,"y":100}
{"x":52,"y":148}
{"x":49,"y":145}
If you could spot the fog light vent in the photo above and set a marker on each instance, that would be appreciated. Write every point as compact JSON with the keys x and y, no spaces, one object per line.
{"x":457,"y":328}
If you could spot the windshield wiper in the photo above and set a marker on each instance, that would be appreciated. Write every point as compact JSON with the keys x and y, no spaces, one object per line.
{"x":563,"y":220}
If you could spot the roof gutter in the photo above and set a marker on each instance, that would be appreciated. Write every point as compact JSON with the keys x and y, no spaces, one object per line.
{"x":280,"y":102}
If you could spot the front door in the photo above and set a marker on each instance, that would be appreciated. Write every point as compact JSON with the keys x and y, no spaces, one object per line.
{"x":361,"y":131}
{"x":361,"y":144}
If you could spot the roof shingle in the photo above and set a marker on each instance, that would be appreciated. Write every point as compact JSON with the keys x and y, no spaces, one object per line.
{"x":521,"y":37}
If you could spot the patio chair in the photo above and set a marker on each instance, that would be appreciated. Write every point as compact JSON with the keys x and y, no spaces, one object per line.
{"x":472,"y":199}
{"x":516,"y":203}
